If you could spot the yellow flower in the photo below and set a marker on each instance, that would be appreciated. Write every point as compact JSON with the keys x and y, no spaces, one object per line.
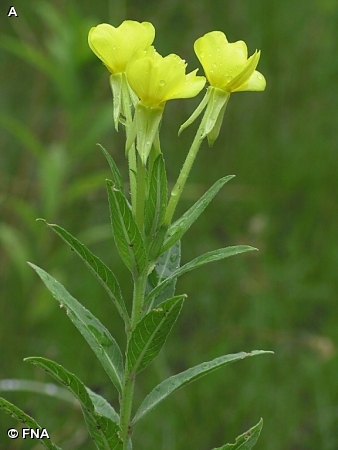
{"x":156,"y":79}
{"x":115,"y":46}
{"x":226,"y":65}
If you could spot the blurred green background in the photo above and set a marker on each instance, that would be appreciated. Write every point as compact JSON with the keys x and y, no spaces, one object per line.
{"x":281,"y":144}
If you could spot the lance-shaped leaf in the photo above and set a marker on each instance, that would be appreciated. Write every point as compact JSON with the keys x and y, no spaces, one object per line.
{"x":127,"y":236}
{"x":97,"y":336}
{"x":166,"y":265}
{"x":157,"y":198}
{"x":97,"y":267}
{"x":103,"y":430}
{"x":212,"y":256}
{"x":29,"y":422}
{"x":175,"y":382}
{"x":246,"y":440}
{"x":102,"y":407}
{"x":179,"y":228}
{"x":151,"y":333}
{"x":117,"y":179}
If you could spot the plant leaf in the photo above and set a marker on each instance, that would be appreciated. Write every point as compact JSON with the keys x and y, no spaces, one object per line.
{"x":214,"y":255}
{"x":157,"y":199}
{"x":167,"y":263}
{"x":127,"y":236}
{"x":103,"y":430}
{"x":97,"y":267}
{"x":97,"y":336}
{"x":28,"y":421}
{"x":172,"y":384}
{"x":117,"y":179}
{"x":181,"y":226}
{"x":151,"y":333}
{"x":246,"y":440}
{"x":102,"y":407}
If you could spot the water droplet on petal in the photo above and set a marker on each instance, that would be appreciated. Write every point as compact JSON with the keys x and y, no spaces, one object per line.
{"x":260,"y":77}
{"x":202,"y":55}
{"x":162,"y":83}
{"x":229,"y":78}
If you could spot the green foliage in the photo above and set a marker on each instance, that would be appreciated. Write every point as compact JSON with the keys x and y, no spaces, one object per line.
{"x":212,"y":256}
{"x":175,"y":382}
{"x":18,"y":414}
{"x":166,"y":264}
{"x":151,"y":333}
{"x":101,"y":419}
{"x":97,"y":268}
{"x":127,"y":236}
{"x":246,"y":440}
{"x":157,"y":198}
{"x":182,"y":225}
{"x":97,"y":336}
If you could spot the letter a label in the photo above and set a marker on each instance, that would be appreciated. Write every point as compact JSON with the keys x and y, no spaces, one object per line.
{"x":12,"y":12}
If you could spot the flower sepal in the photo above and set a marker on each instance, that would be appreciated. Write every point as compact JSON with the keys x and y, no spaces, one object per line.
{"x":214,"y":113}
{"x":116,"y":81}
{"x":144,"y":129}
{"x":198,"y":111}
{"x":123,"y":97}
{"x":214,"y":102}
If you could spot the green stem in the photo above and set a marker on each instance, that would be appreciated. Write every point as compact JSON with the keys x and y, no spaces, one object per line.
{"x":129,"y":379}
{"x":132,"y":176}
{"x":139,"y":290}
{"x":126,"y":405}
{"x":126,"y":106}
{"x":141,"y":184}
{"x":183,"y":176}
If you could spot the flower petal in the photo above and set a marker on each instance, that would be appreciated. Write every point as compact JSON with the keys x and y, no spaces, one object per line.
{"x":256,"y":82}
{"x":192,"y":86}
{"x":234,"y":57}
{"x":115,"y":46}
{"x":244,"y":75}
{"x":226,"y":65}
{"x":209,"y":49}
{"x":156,"y":79}
{"x":170,"y":77}
{"x":222,"y":61}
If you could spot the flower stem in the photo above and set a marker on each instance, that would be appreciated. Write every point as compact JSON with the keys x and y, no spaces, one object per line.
{"x":141,"y":184}
{"x":183,"y":176}
{"x":132,"y":162}
{"x":132,"y":176}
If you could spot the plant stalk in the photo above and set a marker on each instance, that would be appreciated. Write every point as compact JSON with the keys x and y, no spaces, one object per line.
{"x":184,"y":173}
{"x":129,"y":379}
